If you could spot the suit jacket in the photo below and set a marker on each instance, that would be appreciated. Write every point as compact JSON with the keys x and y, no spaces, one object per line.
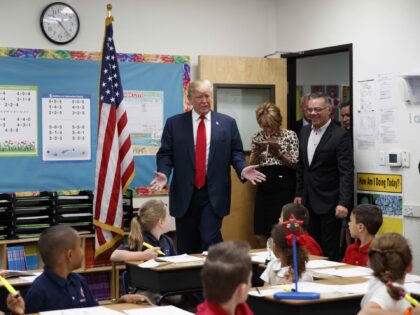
{"x":177,"y":153}
{"x":328,"y":181}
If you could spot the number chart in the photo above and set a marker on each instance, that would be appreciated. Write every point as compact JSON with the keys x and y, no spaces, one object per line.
{"x":66,"y":127}
{"x":18,"y":121}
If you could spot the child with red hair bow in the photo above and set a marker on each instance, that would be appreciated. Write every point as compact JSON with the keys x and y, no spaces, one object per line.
{"x":280,"y":270}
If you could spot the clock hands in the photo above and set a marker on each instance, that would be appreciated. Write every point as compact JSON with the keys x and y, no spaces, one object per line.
{"x":62,"y":25}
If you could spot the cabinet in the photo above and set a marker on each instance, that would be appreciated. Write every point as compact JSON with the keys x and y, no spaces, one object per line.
{"x":23,"y":217}
{"x":100,"y":274}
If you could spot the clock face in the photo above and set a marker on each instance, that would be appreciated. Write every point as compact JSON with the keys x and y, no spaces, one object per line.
{"x":60,"y":23}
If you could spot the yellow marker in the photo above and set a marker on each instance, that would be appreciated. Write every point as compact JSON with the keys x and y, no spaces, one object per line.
{"x":151,"y":247}
{"x":8,"y":286}
{"x":286,"y":288}
{"x":410,"y":299}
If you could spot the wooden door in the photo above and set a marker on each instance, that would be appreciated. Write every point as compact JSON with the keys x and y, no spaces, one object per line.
{"x":244,"y":70}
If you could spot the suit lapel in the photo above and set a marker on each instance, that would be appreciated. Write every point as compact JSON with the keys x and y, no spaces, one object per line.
{"x":214,"y":130}
{"x":325,"y":137}
{"x":305,"y":137}
{"x":190,"y":136}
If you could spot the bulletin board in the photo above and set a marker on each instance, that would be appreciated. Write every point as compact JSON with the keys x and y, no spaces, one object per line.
{"x":74,"y":74}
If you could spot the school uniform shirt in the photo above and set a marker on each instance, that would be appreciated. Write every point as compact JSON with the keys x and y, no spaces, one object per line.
{"x":377,"y":292}
{"x":312,"y":246}
{"x":274,"y":274}
{"x":51,"y":292}
{"x":357,"y":255}
{"x":165,"y":243}
{"x":208,"y":308}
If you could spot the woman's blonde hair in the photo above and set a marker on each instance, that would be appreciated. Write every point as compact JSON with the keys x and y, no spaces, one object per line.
{"x":146,"y":219}
{"x":268,"y":114}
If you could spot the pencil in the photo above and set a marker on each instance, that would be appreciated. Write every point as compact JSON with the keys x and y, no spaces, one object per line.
{"x":151,"y":247}
{"x":8,"y":286}
{"x":258,"y":290}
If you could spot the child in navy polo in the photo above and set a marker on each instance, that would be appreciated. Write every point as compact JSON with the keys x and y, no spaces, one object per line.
{"x":365,"y":221}
{"x":150,"y":225}
{"x":58,"y":287}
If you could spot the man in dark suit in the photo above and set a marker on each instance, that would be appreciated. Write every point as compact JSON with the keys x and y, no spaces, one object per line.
{"x":305,"y":120}
{"x":199,"y":146}
{"x":325,"y":174}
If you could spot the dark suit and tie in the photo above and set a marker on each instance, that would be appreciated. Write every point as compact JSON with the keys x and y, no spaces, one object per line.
{"x":325,"y":176}
{"x":199,"y":209}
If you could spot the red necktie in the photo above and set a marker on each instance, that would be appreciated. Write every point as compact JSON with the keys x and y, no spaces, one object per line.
{"x":200,"y":154}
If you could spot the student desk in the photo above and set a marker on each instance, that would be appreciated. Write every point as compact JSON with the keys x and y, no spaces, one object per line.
{"x":168,"y":279}
{"x":258,"y":267}
{"x":328,"y":304}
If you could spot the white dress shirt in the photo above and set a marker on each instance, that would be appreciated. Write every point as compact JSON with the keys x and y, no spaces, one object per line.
{"x":207,"y":121}
{"x":314,"y":139}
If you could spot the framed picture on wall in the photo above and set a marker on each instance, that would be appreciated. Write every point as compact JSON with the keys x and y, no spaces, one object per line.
{"x":345,"y":93}
{"x":317,"y":88}
{"x":299,"y":93}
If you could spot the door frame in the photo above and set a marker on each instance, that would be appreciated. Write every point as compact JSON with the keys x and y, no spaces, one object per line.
{"x":291,"y":78}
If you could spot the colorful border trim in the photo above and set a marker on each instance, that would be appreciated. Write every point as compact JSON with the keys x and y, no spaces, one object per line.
{"x":84,"y":55}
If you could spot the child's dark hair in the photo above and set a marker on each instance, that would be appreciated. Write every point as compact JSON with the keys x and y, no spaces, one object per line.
{"x":54,"y":241}
{"x":227,"y":265}
{"x":146,"y":219}
{"x":370,"y":216}
{"x":299,"y":211}
{"x":279,"y":238}
{"x":389,"y":257}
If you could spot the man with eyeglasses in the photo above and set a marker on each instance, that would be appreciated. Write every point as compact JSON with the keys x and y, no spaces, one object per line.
{"x":325,"y":174}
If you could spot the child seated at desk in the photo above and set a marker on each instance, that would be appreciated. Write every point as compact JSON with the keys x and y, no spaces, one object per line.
{"x":275,"y":274}
{"x":226,"y":279}
{"x":150,"y":225}
{"x":301,"y":213}
{"x":390,"y":259}
{"x":58,"y":287}
{"x":365,"y":221}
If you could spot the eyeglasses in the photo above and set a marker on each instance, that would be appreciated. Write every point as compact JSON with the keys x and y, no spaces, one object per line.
{"x":315,"y":109}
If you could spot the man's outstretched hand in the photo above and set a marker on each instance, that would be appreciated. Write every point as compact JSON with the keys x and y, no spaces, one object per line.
{"x":250,"y":173}
{"x":159,"y":182}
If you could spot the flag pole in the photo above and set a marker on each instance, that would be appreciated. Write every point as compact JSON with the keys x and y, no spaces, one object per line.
{"x":110,"y":18}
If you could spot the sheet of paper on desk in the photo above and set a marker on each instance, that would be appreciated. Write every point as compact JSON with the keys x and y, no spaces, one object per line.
{"x":412,"y":287}
{"x":409,"y":277}
{"x":347,"y":272}
{"x":96,"y":310}
{"x":157,"y":311}
{"x":321,"y":263}
{"x":259,"y":257}
{"x":152,"y":263}
{"x":180,"y":258}
{"x":31,"y":278}
{"x":357,"y":288}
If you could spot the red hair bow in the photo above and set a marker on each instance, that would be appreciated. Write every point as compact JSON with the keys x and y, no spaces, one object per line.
{"x":300,"y":240}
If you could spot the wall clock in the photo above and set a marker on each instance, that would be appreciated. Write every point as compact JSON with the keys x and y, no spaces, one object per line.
{"x":60,"y":23}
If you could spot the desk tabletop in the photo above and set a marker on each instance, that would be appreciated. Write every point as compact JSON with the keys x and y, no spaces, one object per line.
{"x":169,"y":266}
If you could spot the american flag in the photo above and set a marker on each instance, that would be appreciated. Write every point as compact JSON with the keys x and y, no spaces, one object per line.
{"x":114,"y":155}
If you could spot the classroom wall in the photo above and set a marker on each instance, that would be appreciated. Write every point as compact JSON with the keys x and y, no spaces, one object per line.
{"x":182,"y":27}
{"x":384,"y":34}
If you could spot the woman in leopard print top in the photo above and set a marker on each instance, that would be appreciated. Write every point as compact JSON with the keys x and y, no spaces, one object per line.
{"x":276,"y":150}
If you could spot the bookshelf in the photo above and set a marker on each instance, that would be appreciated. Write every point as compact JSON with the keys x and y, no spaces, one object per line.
{"x":23,"y":217}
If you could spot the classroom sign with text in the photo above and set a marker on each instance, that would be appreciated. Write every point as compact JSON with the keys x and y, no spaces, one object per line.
{"x":384,"y":191}
{"x":379,"y":182}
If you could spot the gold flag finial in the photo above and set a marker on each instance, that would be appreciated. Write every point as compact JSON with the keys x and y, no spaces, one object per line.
{"x":110,"y":18}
